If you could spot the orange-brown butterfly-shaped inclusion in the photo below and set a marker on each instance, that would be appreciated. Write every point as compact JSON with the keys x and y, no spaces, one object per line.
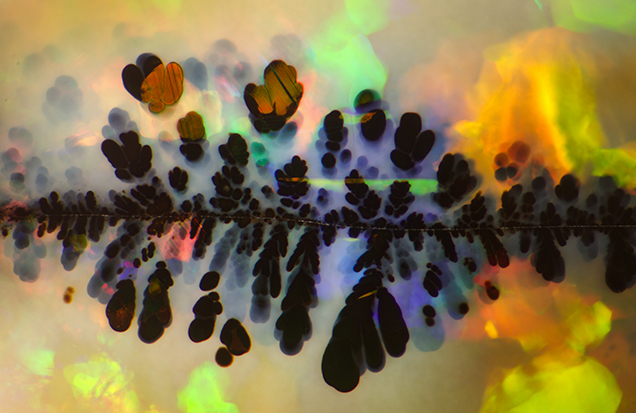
{"x":163,"y":86}
{"x":191,"y":127}
{"x":281,"y":93}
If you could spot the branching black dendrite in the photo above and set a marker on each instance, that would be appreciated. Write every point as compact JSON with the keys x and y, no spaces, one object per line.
{"x":393,"y":222}
{"x":303,"y":265}
{"x":355,"y":343}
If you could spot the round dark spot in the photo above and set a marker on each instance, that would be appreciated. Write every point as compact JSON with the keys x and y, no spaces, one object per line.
{"x":501,"y":174}
{"x":429,"y":311}
{"x":373,"y":125}
{"x":223,"y":357}
{"x":345,"y":156}
{"x":209,"y":281}
{"x":429,"y":321}
{"x":519,"y":151}
{"x":501,"y":159}
{"x":463,"y":308}
{"x":329,"y":160}
{"x":365,"y":100}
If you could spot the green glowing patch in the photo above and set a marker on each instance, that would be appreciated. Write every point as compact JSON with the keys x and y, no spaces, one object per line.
{"x":40,"y":362}
{"x":555,"y":387}
{"x":585,"y":15}
{"x":346,"y":54}
{"x":589,"y":326}
{"x":203,"y":392}
{"x":102,"y":382}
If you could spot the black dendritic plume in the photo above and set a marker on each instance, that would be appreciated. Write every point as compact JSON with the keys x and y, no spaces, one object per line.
{"x":277,"y":233}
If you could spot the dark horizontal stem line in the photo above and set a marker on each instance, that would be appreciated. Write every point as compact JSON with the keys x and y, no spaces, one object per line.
{"x":189,"y":216}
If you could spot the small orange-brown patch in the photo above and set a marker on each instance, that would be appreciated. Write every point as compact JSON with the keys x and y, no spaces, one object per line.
{"x":68,"y":295}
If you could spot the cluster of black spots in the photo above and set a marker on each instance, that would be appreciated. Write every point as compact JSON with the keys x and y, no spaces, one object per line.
{"x":251,"y":238}
{"x":399,"y":199}
{"x":582,"y":223}
{"x":120,"y":310}
{"x":90,"y":220}
{"x":470,"y":264}
{"x":229,"y":193}
{"x":445,"y":239}
{"x":78,"y":218}
{"x":151,"y":82}
{"x":330,"y":230}
{"x":508,"y":165}
{"x":405,"y":263}
{"x":148,"y":253}
{"x":618,"y":222}
{"x":293,"y":327}
{"x":63,"y":100}
{"x":20,"y":136}
{"x":273,"y":103}
{"x":206,"y":309}
{"x":196,"y":73}
{"x":368,"y":203}
{"x":148,"y":201}
{"x":415,"y":225}
{"x":355,"y":344}
{"x":491,"y":290}
{"x":432,"y":280}
{"x":237,"y":342}
{"x":156,"y":314}
{"x":235,"y":152}
{"x":178,"y":179}
{"x":336,"y":137}
{"x":129,"y":159}
{"x":411,"y":146}
{"x":568,"y":189}
{"x":130,"y":236}
{"x":429,"y":315}
{"x":293,"y":183}
{"x":476,"y":219}
{"x":192,"y":133}
{"x":547,"y":258}
{"x":515,"y":217}
{"x":373,"y":122}
{"x":378,"y":246}
{"x":202,"y":229}
{"x":454,"y":180}
{"x":68,"y":295}
{"x":267,"y":272}
{"x":118,"y":123}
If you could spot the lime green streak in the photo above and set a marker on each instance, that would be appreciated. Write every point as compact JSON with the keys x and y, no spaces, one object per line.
{"x":418,"y":186}
{"x":203,"y":392}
